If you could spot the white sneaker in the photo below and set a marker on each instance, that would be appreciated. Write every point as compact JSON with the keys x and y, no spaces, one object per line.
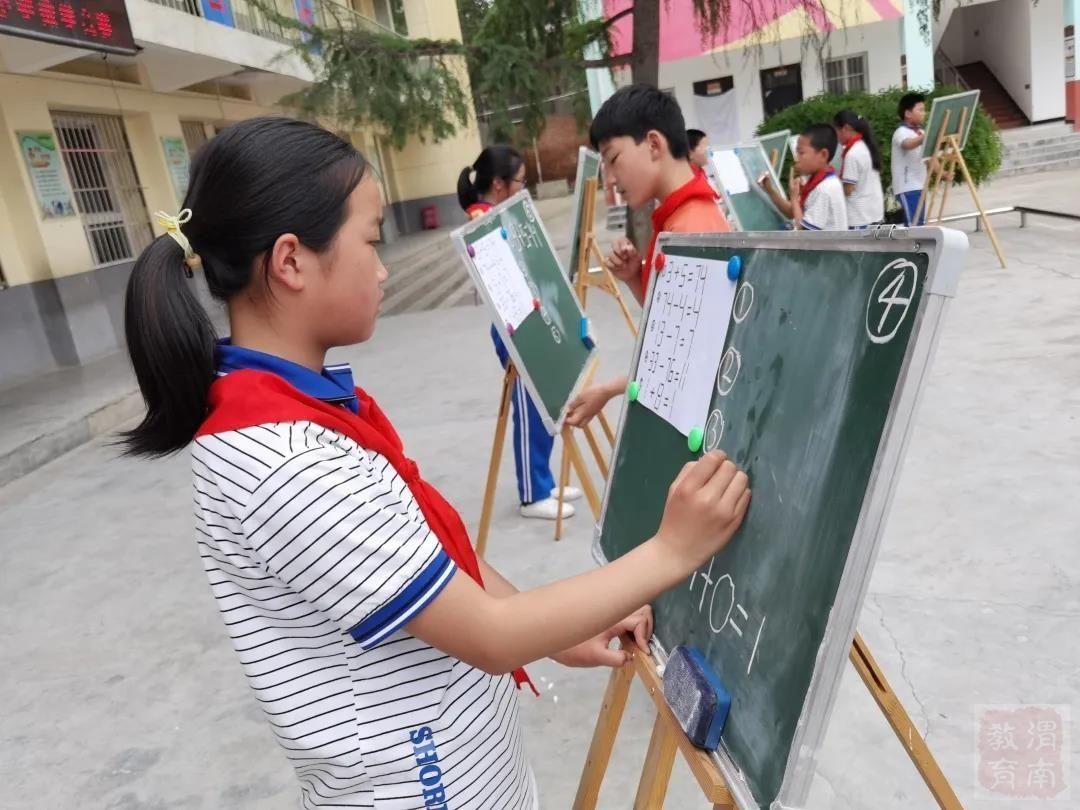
{"x":547,"y":509}
{"x":568,"y":494}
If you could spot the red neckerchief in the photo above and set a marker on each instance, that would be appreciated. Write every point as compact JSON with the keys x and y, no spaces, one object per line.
{"x":247,"y":398}
{"x":847,"y":148}
{"x":697,"y":188}
{"x":813,"y":183}
{"x":478,"y":209}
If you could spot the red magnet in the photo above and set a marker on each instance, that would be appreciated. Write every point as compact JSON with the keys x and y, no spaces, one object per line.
{"x":536,"y":303}
{"x":659,"y":263}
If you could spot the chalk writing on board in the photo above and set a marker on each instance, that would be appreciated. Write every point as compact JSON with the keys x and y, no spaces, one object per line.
{"x":684,"y":339}
{"x":730,"y":365}
{"x":744,"y":300}
{"x":725,"y":611}
{"x":714,"y":430}
{"x":890,"y":300}
{"x":502,"y":278}
{"x":729,"y":171}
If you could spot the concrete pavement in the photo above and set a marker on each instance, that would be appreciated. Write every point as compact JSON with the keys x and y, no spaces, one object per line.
{"x":121,"y":691}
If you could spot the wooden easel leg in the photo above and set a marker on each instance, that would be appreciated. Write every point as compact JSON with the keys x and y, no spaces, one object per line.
{"x":656,"y":772}
{"x":612,"y":287}
{"x":905,"y":730}
{"x":564,"y":480}
{"x":603,"y":741}
{"x":606,"y":427}
{"x":578,"y":462}
{"x":982,"y":212}
{"x":947,"y":175}
{"x":496,"y":457}
{"x":601,"y":462}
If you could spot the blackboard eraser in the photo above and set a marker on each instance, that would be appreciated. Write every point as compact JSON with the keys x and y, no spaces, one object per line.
{"x":696,"y":696}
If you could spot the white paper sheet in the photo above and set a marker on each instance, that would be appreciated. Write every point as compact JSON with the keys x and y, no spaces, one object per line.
{"x":502,"y":278}
{"x":684,"y":340}
{"x":729,"y":170}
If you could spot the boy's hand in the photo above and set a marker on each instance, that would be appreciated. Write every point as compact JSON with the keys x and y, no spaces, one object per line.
{"x":765,"y":181}
{"x":590,"y":402}
{"x":596,"y":653}
{"x":624,"y":261}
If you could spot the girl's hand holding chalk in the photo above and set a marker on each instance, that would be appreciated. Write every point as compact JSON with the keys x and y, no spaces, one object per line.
{"x":596,"y":652}
{"x":706,"y":505}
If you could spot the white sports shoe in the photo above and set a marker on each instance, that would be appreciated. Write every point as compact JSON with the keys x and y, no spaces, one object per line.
{"x":547,"y":509}
{"x":568,"y":494}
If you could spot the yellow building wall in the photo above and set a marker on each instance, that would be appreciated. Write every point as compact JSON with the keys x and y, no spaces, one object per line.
{"x":431,"y":169}
{"x":33,"y":249}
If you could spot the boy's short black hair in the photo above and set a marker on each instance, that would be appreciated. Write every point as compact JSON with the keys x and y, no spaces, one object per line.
{"x":821,"y":136}
{"x":693,"y":138}
{"x":633,"y":111}
{"x":908,"y":102}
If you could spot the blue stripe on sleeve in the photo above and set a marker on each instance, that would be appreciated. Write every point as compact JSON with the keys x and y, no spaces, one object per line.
{"x":396,"y":613}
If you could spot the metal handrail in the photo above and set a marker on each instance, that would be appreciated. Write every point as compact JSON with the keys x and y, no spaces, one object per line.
{"x":1023,"y":210}
{"x":949,"y":70}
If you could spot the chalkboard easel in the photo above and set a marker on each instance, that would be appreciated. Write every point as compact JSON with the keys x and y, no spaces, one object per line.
{"x":587,"y":247}
{"x":948,"y":156}
{"x":572,"y":457}
{"x":667,"y":739}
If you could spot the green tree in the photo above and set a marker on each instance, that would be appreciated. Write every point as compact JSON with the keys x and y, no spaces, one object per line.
{"x":514,"y":52}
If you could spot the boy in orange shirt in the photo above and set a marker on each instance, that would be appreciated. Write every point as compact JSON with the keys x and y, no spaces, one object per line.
{"x":641,"y":135}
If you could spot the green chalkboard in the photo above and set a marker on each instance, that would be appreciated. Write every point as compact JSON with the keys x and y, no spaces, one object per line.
{"x":828,"y":340}
{"x":546,"y":347}
{"x":735,"y":171}
{"x":955,"y":105}
{"x":588,"y":166}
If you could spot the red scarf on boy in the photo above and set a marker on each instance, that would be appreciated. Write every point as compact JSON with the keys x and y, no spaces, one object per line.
{"x":246,"y":398}
{"x":698,"y":188}
{"x":812,"y":183}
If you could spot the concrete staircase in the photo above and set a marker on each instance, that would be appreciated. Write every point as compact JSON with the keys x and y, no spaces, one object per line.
{"x":431,"y":277}
{"x":1042,"y":148}
{"x":994,"y":98}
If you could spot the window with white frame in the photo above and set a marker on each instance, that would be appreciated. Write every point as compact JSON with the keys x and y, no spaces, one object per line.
{"x":846,"y":74}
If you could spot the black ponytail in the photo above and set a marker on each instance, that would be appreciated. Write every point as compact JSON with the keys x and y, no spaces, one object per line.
{"x":250,"y":184}
{"x":862,"y":126}
{"x":498,"y":161}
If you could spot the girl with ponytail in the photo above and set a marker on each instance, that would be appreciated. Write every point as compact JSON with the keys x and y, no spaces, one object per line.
{"x":372,"y":636}
{"x":860,"y":170}
{"x":497,"y":175}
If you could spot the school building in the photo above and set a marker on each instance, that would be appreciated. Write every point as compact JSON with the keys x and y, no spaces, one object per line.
{"x":774,"y":53}
{"x":102,"y":104}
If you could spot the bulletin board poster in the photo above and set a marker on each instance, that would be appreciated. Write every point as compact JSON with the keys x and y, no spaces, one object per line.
{"x":46,"y":169}
{"x":179,"y":161}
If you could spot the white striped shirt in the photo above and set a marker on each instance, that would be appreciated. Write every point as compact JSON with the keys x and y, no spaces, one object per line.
{"x":826,"y":208}
{"x":318,"y":555}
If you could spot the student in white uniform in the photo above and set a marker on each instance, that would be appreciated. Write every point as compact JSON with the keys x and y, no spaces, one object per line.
{"x":860,"y":170}
{"x":383,"y":652}
{"x":816,"y":201}
{"x":908,"y":166}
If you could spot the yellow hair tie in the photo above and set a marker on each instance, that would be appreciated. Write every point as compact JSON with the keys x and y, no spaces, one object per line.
{"x":171,"y":224}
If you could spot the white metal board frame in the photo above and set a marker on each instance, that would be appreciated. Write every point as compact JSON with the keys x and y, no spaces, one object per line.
{"x":457,"y":237}
{"x":946,"y":249}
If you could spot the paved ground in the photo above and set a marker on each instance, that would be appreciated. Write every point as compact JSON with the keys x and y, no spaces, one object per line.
{"x":120,"y":690}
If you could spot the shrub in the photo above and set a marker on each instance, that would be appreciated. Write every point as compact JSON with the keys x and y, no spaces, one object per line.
{"x":982,"y":154}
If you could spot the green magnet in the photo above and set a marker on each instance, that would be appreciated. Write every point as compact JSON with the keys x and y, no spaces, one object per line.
{"x":632,"y":390}
{"x":695,"y":439}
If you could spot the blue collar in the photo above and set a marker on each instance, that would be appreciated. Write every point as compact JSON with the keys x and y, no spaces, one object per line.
{"x":334,"y":385}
